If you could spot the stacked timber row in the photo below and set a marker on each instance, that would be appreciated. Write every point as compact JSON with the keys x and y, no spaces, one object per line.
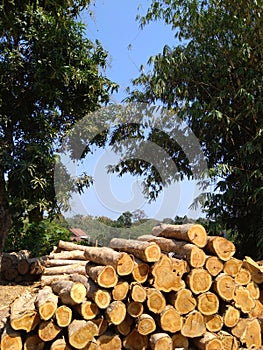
{"x":175,"y":289}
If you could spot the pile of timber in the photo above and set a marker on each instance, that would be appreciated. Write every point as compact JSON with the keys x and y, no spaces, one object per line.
{"x":174,"y":289}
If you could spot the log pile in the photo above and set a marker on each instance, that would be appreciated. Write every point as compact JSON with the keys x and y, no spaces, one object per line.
{"x":174,"y":289}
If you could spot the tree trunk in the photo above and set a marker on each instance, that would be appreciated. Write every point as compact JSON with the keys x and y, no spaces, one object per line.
{"x":137,"y":292}
{"x":145,"y":324}
{"x":213,"y":323}
{"x":193,"y":233}
{"x":104,"y":276}
{"x":231,"y":316}
{"x":116,"y":312}
{"x":232,"y":266}
{"x":160,"y":341}
{"x":207,"y":303}
{"x":156,"y":302}
{"x":199,"y":280}
{"x":194,"y":325}
{"x":214,"y":265}
{"x":87,"y":309}
{"x":221,"y":247}
{"x":140,"y":271}
{"x":243,"y":277}
{"x":224,"y":286}
{"x":70,"y":293}
{"x":170,"y":320}
{"x":183,"y":301}
{"x":146,"y":251}
{"x":5,"y":215}
{"x":120,"y":291}
{"x":48,"y":330}
{"x":63,"y":316}
{"x":68,"y":255}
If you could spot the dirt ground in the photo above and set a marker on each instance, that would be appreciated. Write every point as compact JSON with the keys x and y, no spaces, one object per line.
{"x":9,"y":292}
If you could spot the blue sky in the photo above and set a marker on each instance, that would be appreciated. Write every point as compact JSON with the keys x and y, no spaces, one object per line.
{"x":129,"y":47}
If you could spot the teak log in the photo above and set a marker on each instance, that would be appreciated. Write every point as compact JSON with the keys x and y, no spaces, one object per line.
{"x":59,"y":344}
{"x":116,"y":312}
{"x":140,"y":271}
{"x":137,"y":292}
{"x":120,"y":290}
{"x":228,"y":341}
{"x":69,"y":246}
{"x":180,"y":341}
{"x":194,"y":325}
{"x":124,"y":328}
{"x":87,"y":309}
{"x":68,"y":255}
{"x":231,"y":316}
{"x":170,"y":320}
{"x":214,"y":323}
{"x":243,"y":277}
{"x":23,"y":314}
{"x":120,"y":261}
{"x":135,"y":341}
{"x":255,"y":270}
{"x":46,"y":303}
{"x":193,"y":233}
{"x":81,"y":332}
{"x":100,"y":296}
{"x":33,"y":342}
{"x":221,"y":247}
{"x":168,"y":272}
{"x":208,"y":341}
{"x":183,"y":301}
{"x":160,"y":341}
{"x":257,"y":310}
{"x":48,"y":330}
{"x":253,"y":289}
{"x":189,"y":252}
{"x":104,"y":276}
{"x":207,"y":303}
{"x":60,"y":262}
{"x":66,"y":269}
{"x":70,"y":293}
{"x":11,"y":339}
{"x":224,"y":286}
{"x":156,"y":301}
{"x":109,"y":341}
{"x":214,"y":265}
{"x":135,"y":309}
{"x":232,"y":266}
{"x":63,"y":316}
{"x":145,"y":324}
{"x":243,"y":300}
{"x":146,"y":251}
{"x":199,"y":280}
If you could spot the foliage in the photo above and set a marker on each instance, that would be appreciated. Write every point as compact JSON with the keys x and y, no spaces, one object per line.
{"x":38,"y":238}
{"x":213,"y":80}
{"x":50,"y":77}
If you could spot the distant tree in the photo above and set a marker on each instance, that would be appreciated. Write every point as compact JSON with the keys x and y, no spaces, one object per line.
{"x":50,"y":76}
{"x":125,"y":219}
{"x":138,"y":215}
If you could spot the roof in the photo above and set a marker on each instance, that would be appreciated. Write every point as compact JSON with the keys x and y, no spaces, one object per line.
{"x":78,"y":233}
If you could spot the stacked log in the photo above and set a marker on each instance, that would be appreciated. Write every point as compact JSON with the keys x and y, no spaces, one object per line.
{"x":175,"y":289}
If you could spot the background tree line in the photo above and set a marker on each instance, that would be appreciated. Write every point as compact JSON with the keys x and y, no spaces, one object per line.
{"x":51,"y":78}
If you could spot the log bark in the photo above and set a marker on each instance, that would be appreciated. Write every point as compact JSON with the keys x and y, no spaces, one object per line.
{"x":59,"y":344}
{"x":199,"y":280}
{"x":214,"y":265}
{"x":70,"y":293}
{"x":137,"y":292}
{"x":120,"y":291}
{"x":69,"y":246}
{"x":120,"y":261}
{"x":33,"y":342}
{"x":116,"y":312}
{"x":194,"y":325}
{"x":224,"y":285}
{"x":170,"y":320}
{"x":183,"y":301}
{"x":193,"y":233}
{"x":68,"y":269}
{"x":231,"y":316}
{"x":145,"y":324}
{"x":135,"y":341}
{"x":46,"y":303}
{"x":168,"y":272}
{"x":87,"y":309}
{"x":140,"y":271}
{"x":23,"y":314}
{"x":135,"y":309}
{"x":146,"y":251}
{"x":254,"y":268}
{"x":100,"y":296}
{"x":208,"y":303}
{"x":189,"y":252}
{"x":208,"y":341}
{"x":81,"y":332}
{"x":243,"y":300}
{"x":213,"y":323}
{"x":69,"y":255}
{"x":156,"y":301}
{"x":221,"y":247}
{"x":63,"y":316}
{"x":109,"y":341}
{"x":63,"y":262}
{"x":10,"y":339}
{"x":48,"y":280}
{"x":48,"y":330}
{"x":104,"y":276}
{"x":232,"y":266}
{"x":160,"y":341}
